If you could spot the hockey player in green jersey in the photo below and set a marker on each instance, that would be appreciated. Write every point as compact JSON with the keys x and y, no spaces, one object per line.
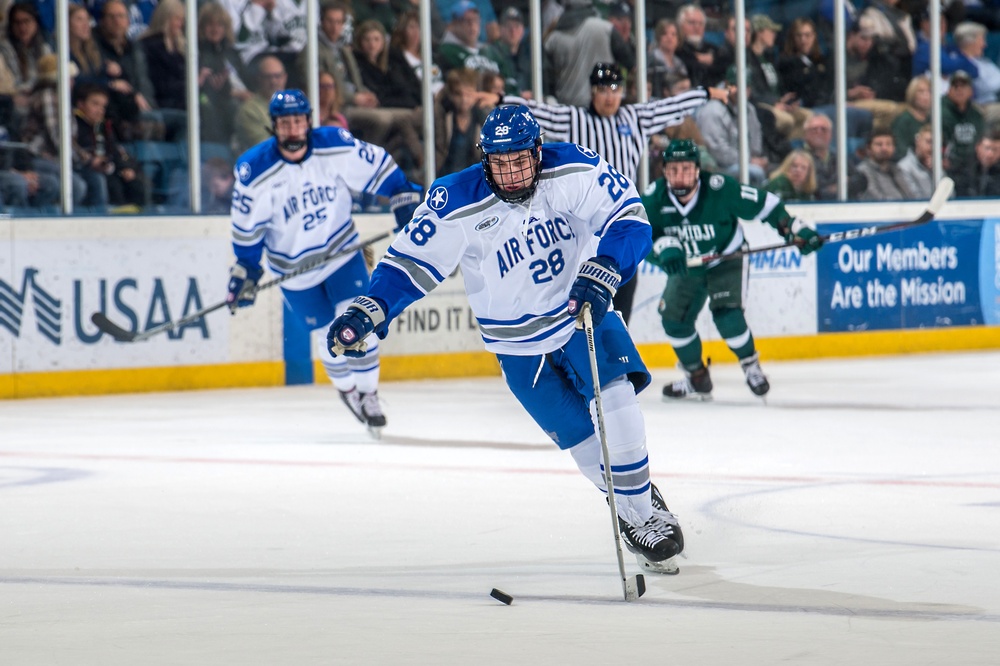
{"x":695,"y":214}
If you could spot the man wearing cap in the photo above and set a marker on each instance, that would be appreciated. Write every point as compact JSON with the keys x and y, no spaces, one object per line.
{"x":618,"y":133}
{"x":763,"y":75}
{"x":489,"y":29}
{"x":461,"y":47}
{"x":961,"y":125}
{"x":514,"y":52}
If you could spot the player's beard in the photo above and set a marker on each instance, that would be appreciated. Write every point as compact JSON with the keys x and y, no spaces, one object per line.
{"x":294,"y":143}
{"x":682,"y":190}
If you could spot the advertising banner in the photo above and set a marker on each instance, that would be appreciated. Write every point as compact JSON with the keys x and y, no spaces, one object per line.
{"x":925,"y":276}
{"x":49,"y":289}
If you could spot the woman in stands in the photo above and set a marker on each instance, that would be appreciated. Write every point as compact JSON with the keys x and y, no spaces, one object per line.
{"x":795,"y":179}
{"x":386,"y":73}
{"x":22,"y":46}
{"x":165,"y":46}
{"x":665,"y":68}
{"x":84,"y":52}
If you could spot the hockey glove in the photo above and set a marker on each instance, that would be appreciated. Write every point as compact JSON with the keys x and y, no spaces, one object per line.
{"x":805,"y":238}
{"x":403,"y":204}
{"x":596,"y":283}
{"x":348,"y":331}
{"x":670,"y":255}
{"x":242,"y":287}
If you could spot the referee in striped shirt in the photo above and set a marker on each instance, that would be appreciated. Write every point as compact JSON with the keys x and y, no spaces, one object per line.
{"x":618,"y":133}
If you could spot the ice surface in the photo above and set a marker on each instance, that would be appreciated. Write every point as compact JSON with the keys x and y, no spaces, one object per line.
{"x":853,"y":519}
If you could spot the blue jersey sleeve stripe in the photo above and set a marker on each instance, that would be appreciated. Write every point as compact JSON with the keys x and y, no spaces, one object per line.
{"x":417,"y":275}
{"x":614,"y":217}
{"x":378,"y":171}
{"x":393,"y":287}
{"x":435,"y":273}
{"x":395,"y":181}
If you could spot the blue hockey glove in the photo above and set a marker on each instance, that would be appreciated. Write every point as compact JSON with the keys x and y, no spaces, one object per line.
{"x":596,"y":283}
{"x":804,"y":237}
{"x":404,"y":204}
{"x":348,"y":331}
{"x":242,"y":287}
{"x":670,"y":255}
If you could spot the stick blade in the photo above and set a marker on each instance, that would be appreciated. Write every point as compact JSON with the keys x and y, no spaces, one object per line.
{"x":942,"y":193}
{"x":111,"y":328}
{"x":635,"y":587}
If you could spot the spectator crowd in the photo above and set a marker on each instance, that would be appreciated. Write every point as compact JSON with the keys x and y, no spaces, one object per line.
{"x":129,"y":122}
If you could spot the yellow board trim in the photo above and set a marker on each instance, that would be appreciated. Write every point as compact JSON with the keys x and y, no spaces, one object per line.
{"x":840,"y":345}
{"x":480,"y":364}
{"x":141,"y":380}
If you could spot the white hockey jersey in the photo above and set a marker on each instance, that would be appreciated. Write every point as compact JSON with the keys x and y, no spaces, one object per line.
{"x":302,"y":212}
{"x":256,"y":30}
{"x":518,"y":261}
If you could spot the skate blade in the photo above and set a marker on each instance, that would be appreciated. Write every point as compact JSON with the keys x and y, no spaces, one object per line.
{"x":375,"y":432}
{"x":690,"y":397}
{"x":668,"y":567}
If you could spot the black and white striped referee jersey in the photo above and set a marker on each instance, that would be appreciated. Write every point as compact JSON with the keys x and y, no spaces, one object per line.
{"x":620,"y":139}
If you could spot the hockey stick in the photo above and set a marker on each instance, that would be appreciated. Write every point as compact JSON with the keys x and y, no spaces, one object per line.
{"x":632,"y":586}
{"x":941,"y":194}
{"x":122,"y":335}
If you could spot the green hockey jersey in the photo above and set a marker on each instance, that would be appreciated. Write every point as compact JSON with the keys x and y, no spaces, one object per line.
{"x":710,"y":222}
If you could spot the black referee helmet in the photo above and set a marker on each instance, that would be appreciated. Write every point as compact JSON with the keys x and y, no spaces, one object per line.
{"x":606,"y":74}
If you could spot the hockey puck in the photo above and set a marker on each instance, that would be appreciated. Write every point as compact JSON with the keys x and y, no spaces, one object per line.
{"x":502,"y":597}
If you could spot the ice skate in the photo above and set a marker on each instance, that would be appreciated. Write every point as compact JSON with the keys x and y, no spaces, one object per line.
{"x":696,"y":385}
{"x":352,"y":399}
{"x":668,"y":566}
{"x":657,"y":541}
{"x":371,"y":412}
{"x":367,"y":409}
{"x":755,"y":376}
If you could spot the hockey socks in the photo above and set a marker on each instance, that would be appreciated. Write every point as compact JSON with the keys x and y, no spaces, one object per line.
{"x":626,"y":435}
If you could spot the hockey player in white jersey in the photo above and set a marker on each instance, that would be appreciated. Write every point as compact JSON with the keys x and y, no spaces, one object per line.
{"x":293,"y":198}
{"x":522,"y":227}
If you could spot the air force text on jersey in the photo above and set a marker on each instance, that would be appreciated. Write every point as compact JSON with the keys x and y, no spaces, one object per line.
{"x":537,"y":235}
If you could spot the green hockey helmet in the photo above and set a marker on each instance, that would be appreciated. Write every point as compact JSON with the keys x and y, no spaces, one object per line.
{"x":682,"y":150}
